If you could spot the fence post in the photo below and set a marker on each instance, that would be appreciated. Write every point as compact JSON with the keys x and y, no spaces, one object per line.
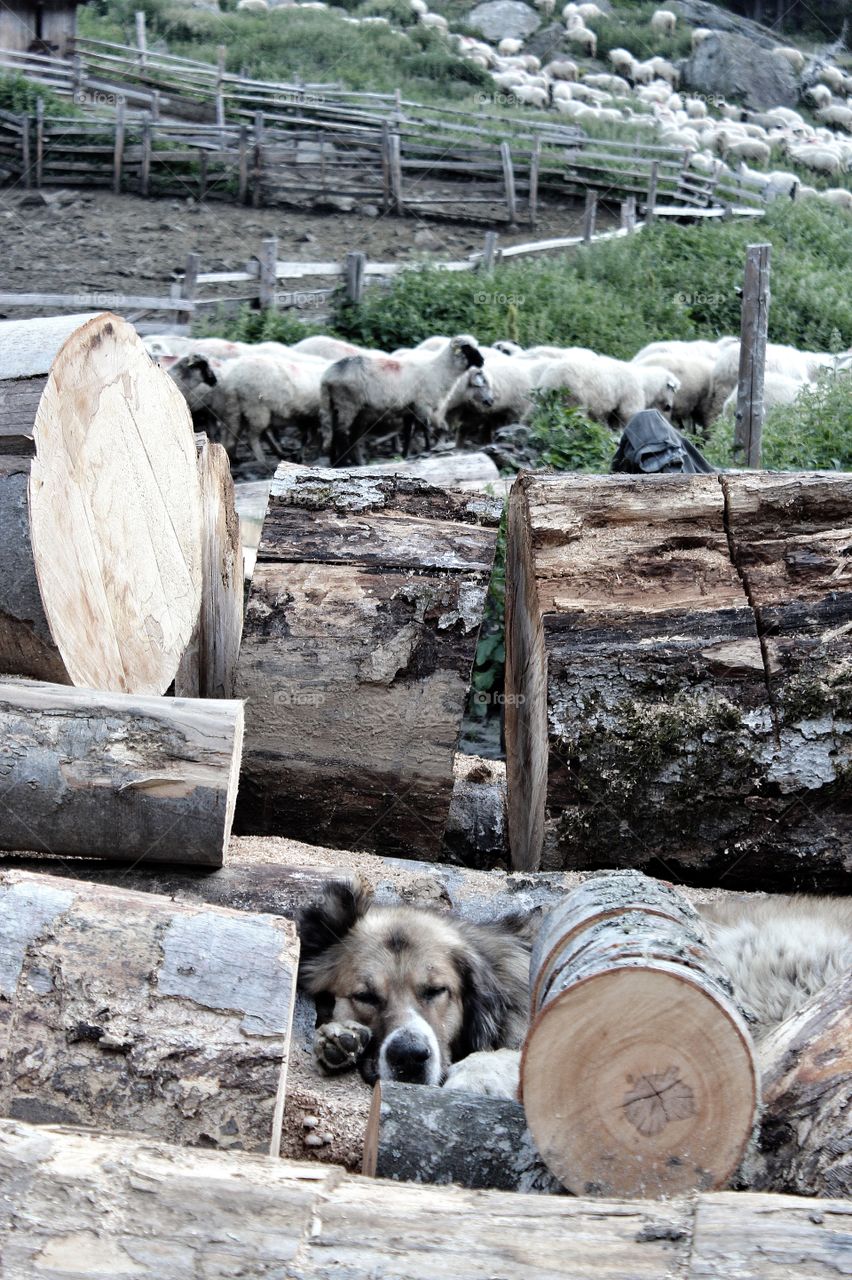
{"x":386,"y":167}
{"x":141,"y":42}
{"x":353,"y":271}
{"x":118,"y":146}
{"x":508,"y":180}
{"x":257,"y":172}
{"x":535,"y":164}
{"x":242,"y":160}
{"x":26,"y":176}
{"x":155,"y":104}
{"x":755,"y":323}
{"x":628,"y":214}
{"x":489,"y":250}
{"x":188,"y":285}
{"x":39,"y":156}
{"x":77,"y":79}
{"x":652,"y":193}
{"x":268,"y":260}
{"x":145,"y":170}
{"x":202,"y":176}
{"x":395,"y":162}
{"x":590,"y":215}
{"x":220,"y":117}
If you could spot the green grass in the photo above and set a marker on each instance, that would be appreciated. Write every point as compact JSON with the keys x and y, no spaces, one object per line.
{"x":814,"y":433}
{"x":20,"y":96}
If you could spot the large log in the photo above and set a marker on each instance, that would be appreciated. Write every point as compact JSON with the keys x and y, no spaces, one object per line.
{"x":100,"y":537}
{"x":118,"y":776}
{"x":359,"y":638}
{"x":642,"y":720}
{"x":637,"y":1074}
{"x":444,"y":1135}
{"x":122,"y":1010}
{"x":82,"y":1204}
{"x":208,"y":668}
{"x":805,"y":1142}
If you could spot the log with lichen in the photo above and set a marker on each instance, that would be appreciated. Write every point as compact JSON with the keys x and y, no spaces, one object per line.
{"x":355,"y":663}
{"x":678,"y":685}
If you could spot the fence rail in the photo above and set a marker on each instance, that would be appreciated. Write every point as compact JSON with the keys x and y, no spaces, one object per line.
{"x":162,"y":124}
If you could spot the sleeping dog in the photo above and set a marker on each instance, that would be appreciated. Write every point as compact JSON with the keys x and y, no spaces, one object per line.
{"x":415,"y":995}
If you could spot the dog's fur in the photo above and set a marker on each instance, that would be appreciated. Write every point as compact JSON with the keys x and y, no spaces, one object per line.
{"x":405,"y":992}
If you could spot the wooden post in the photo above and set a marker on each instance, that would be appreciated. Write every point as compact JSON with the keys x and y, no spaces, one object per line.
{"x":202,"y":177}
{"x":753,"y":334}
{"x":268,"y":260}
{"x":508,"y":180}
{"x":257,"y":168}
{"x":535,"y":165}
{"x":353,"y":268}
{"x":155,"y":105}
{"x":141,"y":42}
{"x":220,"y":117}
{"x":39,"y":148}
{"x":489,"y":250}
{"x":26,"y":176}
{"x":77,"y":78}
{"x":386,"y":167}
{"x":397,"y":105}
{"x":395,"y":156}
{"x":118,"y":147}
{"x":145,"y":171}
{"x":189,"y":285}
{"x":652,"y":193}
{"x":242,"y":161}
{"x":590,"y":215}
{"x":628,"y":214}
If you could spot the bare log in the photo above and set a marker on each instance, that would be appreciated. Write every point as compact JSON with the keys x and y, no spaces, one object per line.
{"x":122,"y":1010}
{"x":444,"y":1135}
{"x":100,"y":549}
{"x":805,"y":1142}
{"x":118,"y":776}
{"x":359,"y":637}
{"x":637,"y":1074}
{"x":208,"y":668}
{"x":642,"y":717}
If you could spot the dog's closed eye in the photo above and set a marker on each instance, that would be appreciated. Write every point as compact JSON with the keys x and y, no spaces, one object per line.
{"x":432,"y":993}
{"x":366,"y":997}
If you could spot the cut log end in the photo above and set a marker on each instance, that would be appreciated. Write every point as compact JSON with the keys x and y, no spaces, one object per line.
{"x":656,"y":1088}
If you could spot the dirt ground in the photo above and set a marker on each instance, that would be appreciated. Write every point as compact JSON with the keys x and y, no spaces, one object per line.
{"x":94,"y":243}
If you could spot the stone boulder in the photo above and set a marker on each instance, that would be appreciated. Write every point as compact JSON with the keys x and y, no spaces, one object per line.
{"x":497,"y":19}
{"x":550,"y":43}
{"x":741,"y":71}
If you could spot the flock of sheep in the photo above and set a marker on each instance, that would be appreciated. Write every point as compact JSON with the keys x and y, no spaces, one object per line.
{"x":338,"y":397}
{"x":644,"y":94}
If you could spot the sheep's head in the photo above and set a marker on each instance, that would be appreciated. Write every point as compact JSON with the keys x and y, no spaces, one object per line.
{"x":465,"y":352}
{"x":192,"y":370}
{"x":507,"y":347}
{"x":479,"y":388}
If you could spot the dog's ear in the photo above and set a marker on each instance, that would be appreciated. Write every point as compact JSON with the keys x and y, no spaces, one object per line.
{"x":483,"y":1004}
{"x":327,"y":922}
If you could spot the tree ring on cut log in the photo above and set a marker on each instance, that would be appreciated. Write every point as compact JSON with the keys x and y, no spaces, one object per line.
{"x":639,"y":1079}
{"x":115,"y":515}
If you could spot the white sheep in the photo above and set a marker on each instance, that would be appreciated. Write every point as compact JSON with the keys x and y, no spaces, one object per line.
{"x":696,"y":108}
{"x":584,"y":39}
{"x":623,"y":62}
{"x":258,"y":395}
{"x":692,"y":363}
{"x":381,"y":396}
{"x":435,"y":20}
{"x":643,"y":73}
{"x":509,"y":46}
{"x":418,"y":6}
{"x":589,"y":12}
{"x":253,"y":6}
{"x":329,"y":348}
{"x":833,"y":77}
{"x":660,"y":385}
{"x":562,"y":69}
{"x":607,"y":390}
{"x":663,"y":22}
{"x":818,"y":95}
{"x":532,"y":95}
{"x":804,"y":366}
{"x":778,"y":389}
{"x":197,"y":377}
{"x":838,"y":196}
{"x":699,"y":35}
{"x":665,"y":70}
{"x":836,"y":115}
{"x":795,"y":57}
{"x":744,"y":148}
{"x":819,"y":159}
{"x":569,"y":12}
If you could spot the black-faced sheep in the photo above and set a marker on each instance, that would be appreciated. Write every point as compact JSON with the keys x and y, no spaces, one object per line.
{"x":378,"y":397}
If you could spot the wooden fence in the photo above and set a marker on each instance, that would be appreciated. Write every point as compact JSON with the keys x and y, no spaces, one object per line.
{"x":164,"y":125}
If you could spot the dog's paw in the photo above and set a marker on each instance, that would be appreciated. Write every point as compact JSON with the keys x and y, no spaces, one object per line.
{"x":494,"y":1072}
{"x":339,"y":1045}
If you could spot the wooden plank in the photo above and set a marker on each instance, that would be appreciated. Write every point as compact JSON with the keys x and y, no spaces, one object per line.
{"x":118,"y":148}
{"x":118,"y":301}
{"x":19,"y":400}
{"x":750,"y":413}
{"x":168,"y":1020}
{"x":145,"y":171}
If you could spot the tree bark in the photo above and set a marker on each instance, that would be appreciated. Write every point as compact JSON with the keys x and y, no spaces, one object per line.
{"x":444,"y":1135}
{"x":117,"y":776}
{"x":122,"y":1010}
{"x":806,"y":1127}
{"x":643,"y":720}
{"x":208,"y":668}
{"x":638,"y":1074}
{"x":359,"y":637}
{"x":100,"y":538}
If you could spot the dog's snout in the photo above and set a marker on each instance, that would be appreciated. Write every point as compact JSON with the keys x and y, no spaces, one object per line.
{"x":407,"y":1055}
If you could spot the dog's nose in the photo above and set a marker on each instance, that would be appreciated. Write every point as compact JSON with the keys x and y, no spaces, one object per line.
{"x":407,"y":1055}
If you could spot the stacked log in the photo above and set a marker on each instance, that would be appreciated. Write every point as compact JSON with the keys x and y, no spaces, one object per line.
{"x":637,"y":1075}
{"x":100,"y":542}
{"x":123,"y":1010}
{"x":443,"y":1135}
{"x":650,"y":722}
{"x":120,"y":776}
{"x":359,"y":638}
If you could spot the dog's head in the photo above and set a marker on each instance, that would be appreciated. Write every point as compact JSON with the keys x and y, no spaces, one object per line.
{"x":430,"y":988}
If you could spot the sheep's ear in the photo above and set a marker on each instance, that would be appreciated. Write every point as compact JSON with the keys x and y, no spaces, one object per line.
{"x":206,"y":371}
{"x":473,"y":356}
{"x":326,"y":922}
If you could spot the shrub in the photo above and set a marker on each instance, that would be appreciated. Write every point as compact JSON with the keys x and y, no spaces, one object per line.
{"x":812,"y":434}
{"x":20,"y":95}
